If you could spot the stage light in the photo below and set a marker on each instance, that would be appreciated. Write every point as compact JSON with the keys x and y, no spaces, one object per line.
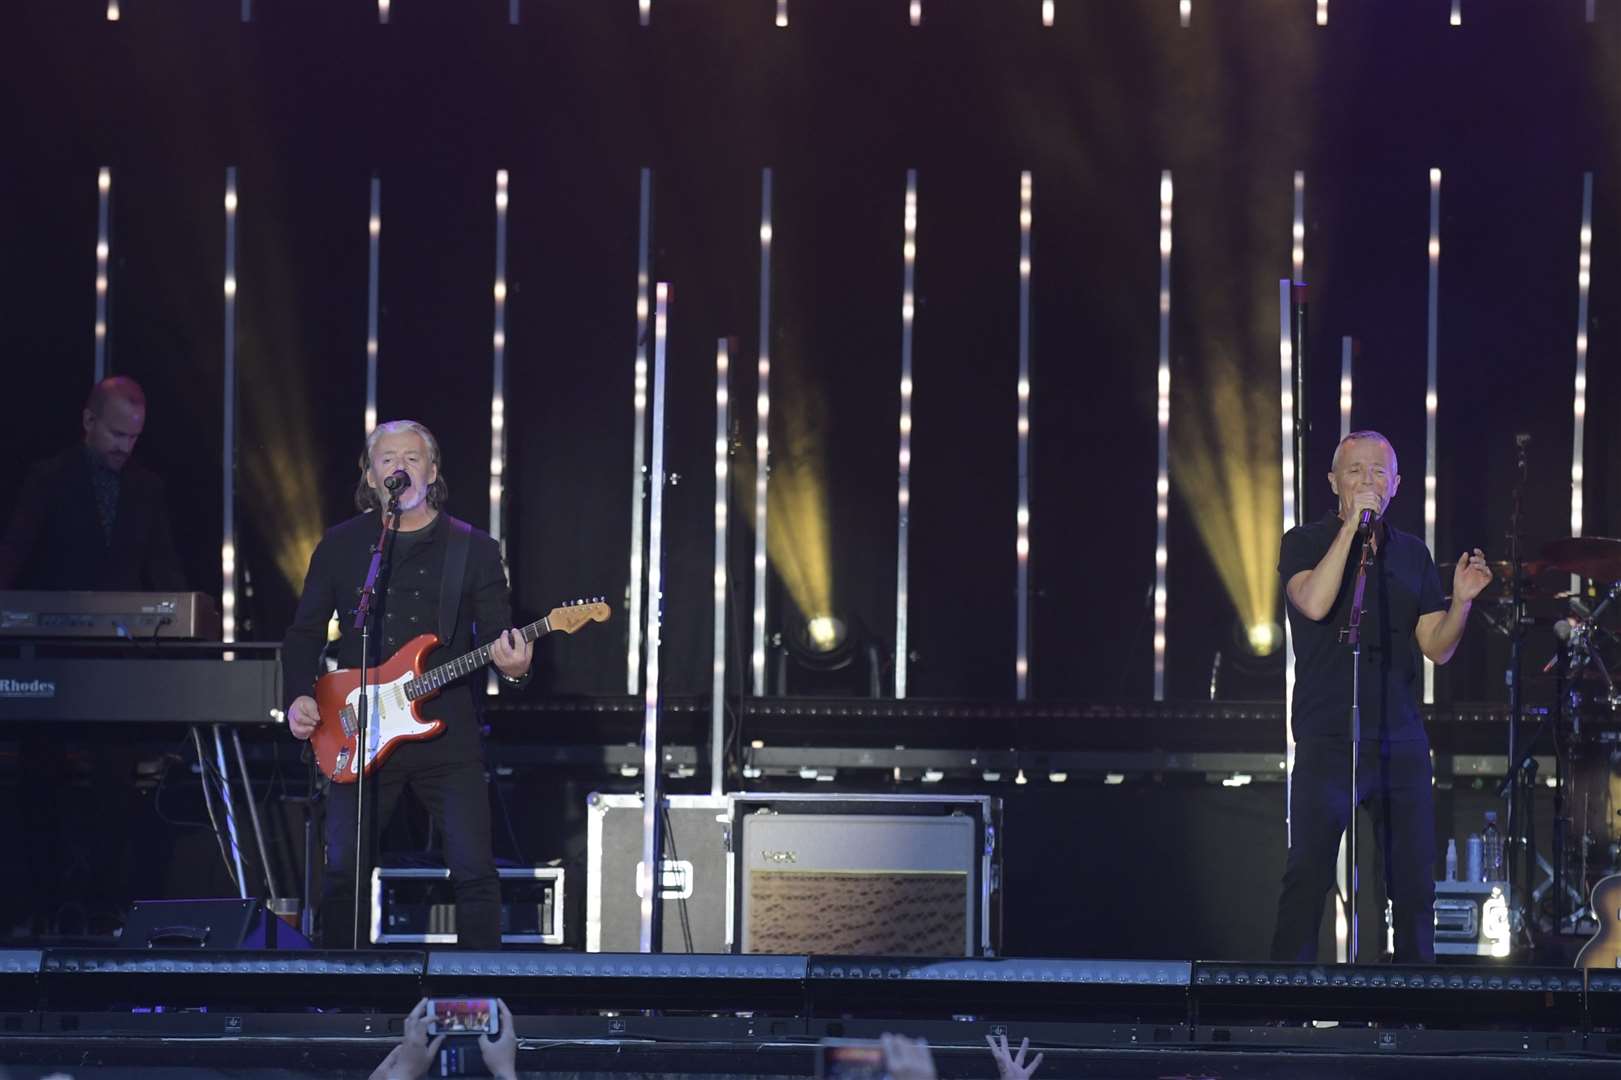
{"x":645,"y":8}
{"x":374,"y":234}
{"x":717,"y":687}
{"x":1047,"y":12}
{"x":904,"y":493}
{"x":1456,"y":18}
{"x":782,"y":13}
{"x":113,"y":14}
{"x":1298,"y":232}
{"x":1185,"y":9}
{"x":1162,"y":485}
{"x":104,"y":186}
{"x":916,"y":12}
{"x":762,"y":439}
{"x":826,"y":632}
{"x":228,"y":543}
{"x":1264,"y":638}
{"x":1021,"y":542}
{"x":498,"y":351}
{"x":1584,"y":277}
{"x":638,"y":476}
{"x":1322,"y":12}
{"x":1347,"y":351}
{"x":1432,"y":398}
{"x":382,"y":11}
{"x":655,"y":604}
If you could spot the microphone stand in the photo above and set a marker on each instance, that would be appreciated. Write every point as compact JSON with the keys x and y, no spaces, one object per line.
{"x":1352,"y":636}
{"x":1519,"y":794}
{"x":363,"y":748}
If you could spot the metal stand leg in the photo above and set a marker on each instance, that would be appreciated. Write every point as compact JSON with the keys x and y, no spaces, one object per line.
{"x":230,"y":812}
{"x":253,"y":816}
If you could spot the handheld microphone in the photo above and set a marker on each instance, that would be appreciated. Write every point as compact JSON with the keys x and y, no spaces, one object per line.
{"x":1366,"y":521}
{"x":399,"y":480}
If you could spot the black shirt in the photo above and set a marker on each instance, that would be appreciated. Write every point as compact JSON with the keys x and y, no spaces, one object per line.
{"x":1402,"y":585}
{"x":406,"y":605}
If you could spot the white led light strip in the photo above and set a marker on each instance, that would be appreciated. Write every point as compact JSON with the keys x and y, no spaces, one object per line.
{"x":1021,"y":662}
{"x":1162,"y":483}
{"x":904,"y":492}
{"x":655,"y":567}
{"x":228,"y":542}
{"x":762,"y":437}
{"x":717,"y":690}
{"x":104,"y":188}
{"x":1584,"y":278}
{"x":638,"y":477}
{"x":374,"y":230}
{"x":1431,"y":396}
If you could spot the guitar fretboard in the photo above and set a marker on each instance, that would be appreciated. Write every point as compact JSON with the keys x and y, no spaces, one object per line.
{"x":466,"y":664}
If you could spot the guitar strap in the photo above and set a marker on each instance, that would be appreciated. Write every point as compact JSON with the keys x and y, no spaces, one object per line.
{"x":450,"y":586}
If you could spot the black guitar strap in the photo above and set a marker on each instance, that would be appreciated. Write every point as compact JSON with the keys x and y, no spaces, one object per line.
{"x":450,"y":586}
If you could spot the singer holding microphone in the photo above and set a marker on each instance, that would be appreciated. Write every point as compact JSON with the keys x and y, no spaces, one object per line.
{"x":437,"y":575}
{"x":1404,"y":614}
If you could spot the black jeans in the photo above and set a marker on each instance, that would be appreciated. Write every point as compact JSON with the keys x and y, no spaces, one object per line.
{"x":457,"y":796}
{"x":1394,"y":783}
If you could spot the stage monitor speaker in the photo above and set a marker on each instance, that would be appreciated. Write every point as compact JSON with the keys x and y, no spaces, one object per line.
{"x":227,"y":923}
{"x":875,"y":875}
{"x":693,"y":873}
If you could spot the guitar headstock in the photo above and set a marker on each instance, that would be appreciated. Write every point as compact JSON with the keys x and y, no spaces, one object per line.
{"x":568,"y":618}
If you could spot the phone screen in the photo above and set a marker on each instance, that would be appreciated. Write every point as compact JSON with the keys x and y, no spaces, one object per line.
{"x":463,"y":1016}
{"x":850,"y":1059}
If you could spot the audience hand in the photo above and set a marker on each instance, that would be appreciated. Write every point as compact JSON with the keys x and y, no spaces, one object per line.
{"x":501,"y":1055}
{"x":1008,"y":1066}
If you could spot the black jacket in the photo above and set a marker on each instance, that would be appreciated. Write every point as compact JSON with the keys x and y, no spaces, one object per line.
{"x":56,"y":541}
{"x":407,"y":604}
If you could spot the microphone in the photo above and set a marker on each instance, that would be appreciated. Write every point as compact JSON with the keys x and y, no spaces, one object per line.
{"x":1366,"y":521}
{"x":399,"y":480}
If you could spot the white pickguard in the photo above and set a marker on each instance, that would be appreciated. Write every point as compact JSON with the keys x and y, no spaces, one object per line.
{"x":391,"y":717}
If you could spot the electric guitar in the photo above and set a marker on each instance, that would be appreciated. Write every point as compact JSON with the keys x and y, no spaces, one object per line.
{"x":398,"y":686}
{"x":1604,"y":951}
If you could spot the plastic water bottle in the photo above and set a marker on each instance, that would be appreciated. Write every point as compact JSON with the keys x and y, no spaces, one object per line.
{"x":1491,"y":844}
{"x":1475,"y":868}
{"x":1452,"y":860}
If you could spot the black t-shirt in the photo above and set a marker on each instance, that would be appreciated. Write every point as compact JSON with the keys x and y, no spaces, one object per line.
{"x":1402,"y":585}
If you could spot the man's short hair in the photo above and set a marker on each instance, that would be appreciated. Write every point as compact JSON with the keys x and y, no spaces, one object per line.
{"x":114,"y":387}
{"x":1373,"y":436}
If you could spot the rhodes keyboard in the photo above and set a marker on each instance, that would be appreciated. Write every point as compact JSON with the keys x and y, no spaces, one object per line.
{"x":134,"y":616}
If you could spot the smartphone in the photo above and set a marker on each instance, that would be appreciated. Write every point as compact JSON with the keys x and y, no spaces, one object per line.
{"x":463,"y":1016}
{"x":850,"y":1059}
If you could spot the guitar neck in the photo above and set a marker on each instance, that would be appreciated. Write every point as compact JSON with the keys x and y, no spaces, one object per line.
{"x":467,"y":663}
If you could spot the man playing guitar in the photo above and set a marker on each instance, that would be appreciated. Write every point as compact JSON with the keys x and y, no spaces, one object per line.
{"x":441,"y":576}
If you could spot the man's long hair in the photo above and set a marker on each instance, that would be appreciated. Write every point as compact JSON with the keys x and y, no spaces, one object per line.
{"x":438,"y":492}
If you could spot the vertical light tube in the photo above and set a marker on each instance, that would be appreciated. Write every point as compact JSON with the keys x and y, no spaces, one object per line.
{"x":104,"y":189}
{"x":1298,"y":233}
{"x":645,"y":7}
{"x":1291,"y":518}
{"x":717,"y":696}
{"x":498,"y":361}
{"x":228,"y":471}
{"x":638,"y":477}
{"x":1047,"y":12}
{"x":512,"y":13}
{"x":1431,"y":396}
{"x":1021,"y":662}
{"x":1322,"y":12}
{"x":1162,"y":485}
{"x":1457,"y":13}
{"x":915,"y":11}
{"x":904,"y":492}
{"x":374,"y":230}
{"x":1185,"y":10}
{"x":113,"y":14}
{"x":247,"y":10}
{"x":1347,"y":348}
{"x":762,"y":436}
{"x":1592,"y":10}
{"x":382,"y":11}
{"x":782,"y":14}
{"x":498,"y":384}
{"x":649,"y":871}
{"x":1584,"y":277}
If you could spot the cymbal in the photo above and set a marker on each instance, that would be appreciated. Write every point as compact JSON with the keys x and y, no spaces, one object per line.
{"x":1502,"y":573}
{"x":1596,"y":557}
